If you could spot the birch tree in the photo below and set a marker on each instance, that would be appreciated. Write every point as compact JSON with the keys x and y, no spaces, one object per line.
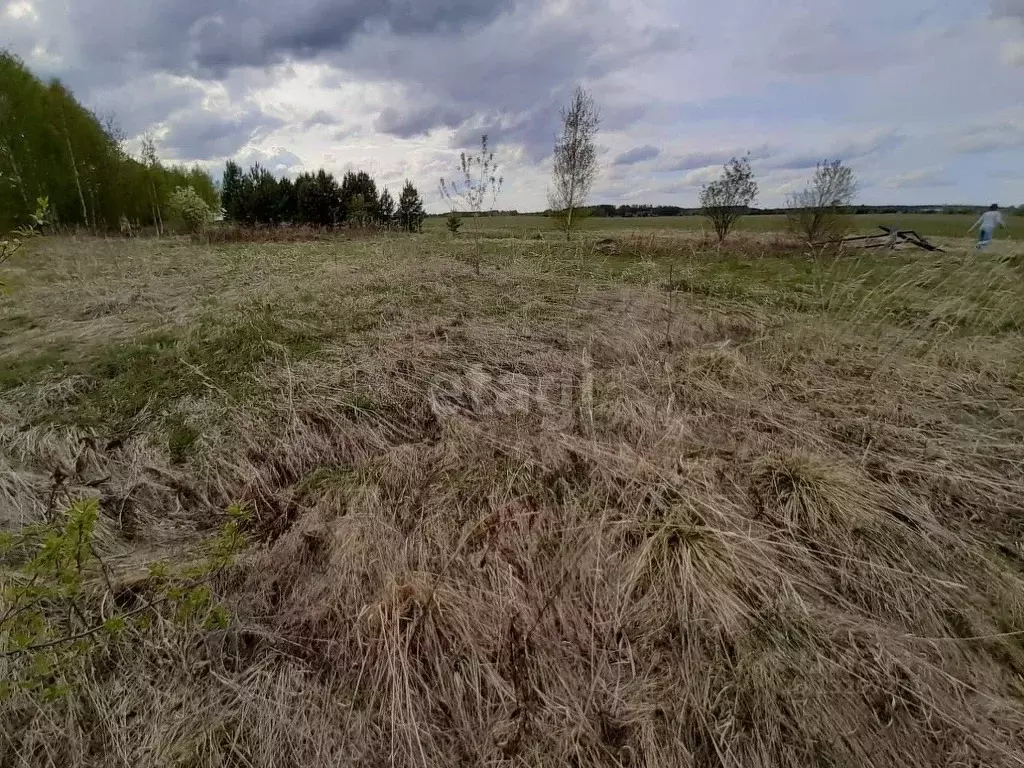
{"x":575,"y":166}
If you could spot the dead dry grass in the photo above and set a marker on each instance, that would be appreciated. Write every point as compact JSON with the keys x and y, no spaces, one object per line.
{"x":741,"y":528}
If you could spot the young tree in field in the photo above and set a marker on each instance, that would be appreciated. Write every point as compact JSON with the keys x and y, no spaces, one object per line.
{"x":478,"y":176}
{"x":575,"y":165}
{"x":728,"y":197}
{"x":410,"y":209}
{"x":814,"y":212}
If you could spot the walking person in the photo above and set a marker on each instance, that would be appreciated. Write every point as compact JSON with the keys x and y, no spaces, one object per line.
{"x":988,"y":222}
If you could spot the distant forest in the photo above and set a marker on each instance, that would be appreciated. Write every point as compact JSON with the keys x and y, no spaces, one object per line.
{"x":53,"y":148}
{"x":648,"y":211}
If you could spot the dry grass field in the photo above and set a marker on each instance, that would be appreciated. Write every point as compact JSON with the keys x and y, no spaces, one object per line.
{"x":518,"y":502}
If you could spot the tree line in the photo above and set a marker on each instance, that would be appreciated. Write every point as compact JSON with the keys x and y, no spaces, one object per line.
{"x":61,"y":161}
{"x":644,"y":211}
{"x":258,"y":198}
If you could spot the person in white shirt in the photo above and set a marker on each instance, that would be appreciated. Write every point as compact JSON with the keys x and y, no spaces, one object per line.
{"x":988,"y":222}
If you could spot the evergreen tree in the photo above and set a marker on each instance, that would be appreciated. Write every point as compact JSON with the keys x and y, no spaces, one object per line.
{"x":287,"y":206}
{"x":410,"y":209}
{"x":232,"y":192}
{"x":385,"y":209}
{"x":326,"y":200}
{"x":263,"y":203}
{"x":359,"y":183}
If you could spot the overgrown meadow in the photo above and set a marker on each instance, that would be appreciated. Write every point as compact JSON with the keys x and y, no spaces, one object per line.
{"x":502,"y":499}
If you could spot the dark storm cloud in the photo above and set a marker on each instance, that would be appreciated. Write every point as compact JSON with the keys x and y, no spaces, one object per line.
{"x":503,"y":66}
{"x":511,"y":77}
{"x":405,"y":123}
{"x":195,"y":36}
{"x":205,"y":135}
{"x":637,"y":155}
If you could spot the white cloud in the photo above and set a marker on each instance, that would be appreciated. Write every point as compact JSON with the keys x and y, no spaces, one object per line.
{"x":20,"y":10}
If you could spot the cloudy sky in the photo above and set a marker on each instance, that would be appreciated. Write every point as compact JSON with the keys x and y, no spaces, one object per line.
{"x":923,"y":98}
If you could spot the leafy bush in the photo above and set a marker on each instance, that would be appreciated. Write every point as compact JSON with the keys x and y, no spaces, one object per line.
{"x":43,"y":217}
{"x":61,"y":607}
{"x":187,"y":205}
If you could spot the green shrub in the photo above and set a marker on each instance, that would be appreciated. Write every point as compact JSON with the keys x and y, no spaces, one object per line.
{"x":43,"y":217}
{"x":187,"y":205}
{"x":62,"y":609}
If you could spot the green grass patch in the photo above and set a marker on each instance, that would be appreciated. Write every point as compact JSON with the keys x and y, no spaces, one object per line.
{"x":24,"y":370}
{"x":154,"y":372}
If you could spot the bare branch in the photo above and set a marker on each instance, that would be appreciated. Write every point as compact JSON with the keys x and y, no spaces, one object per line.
{"x":814,"y":212}
{"x":479,"y":176}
